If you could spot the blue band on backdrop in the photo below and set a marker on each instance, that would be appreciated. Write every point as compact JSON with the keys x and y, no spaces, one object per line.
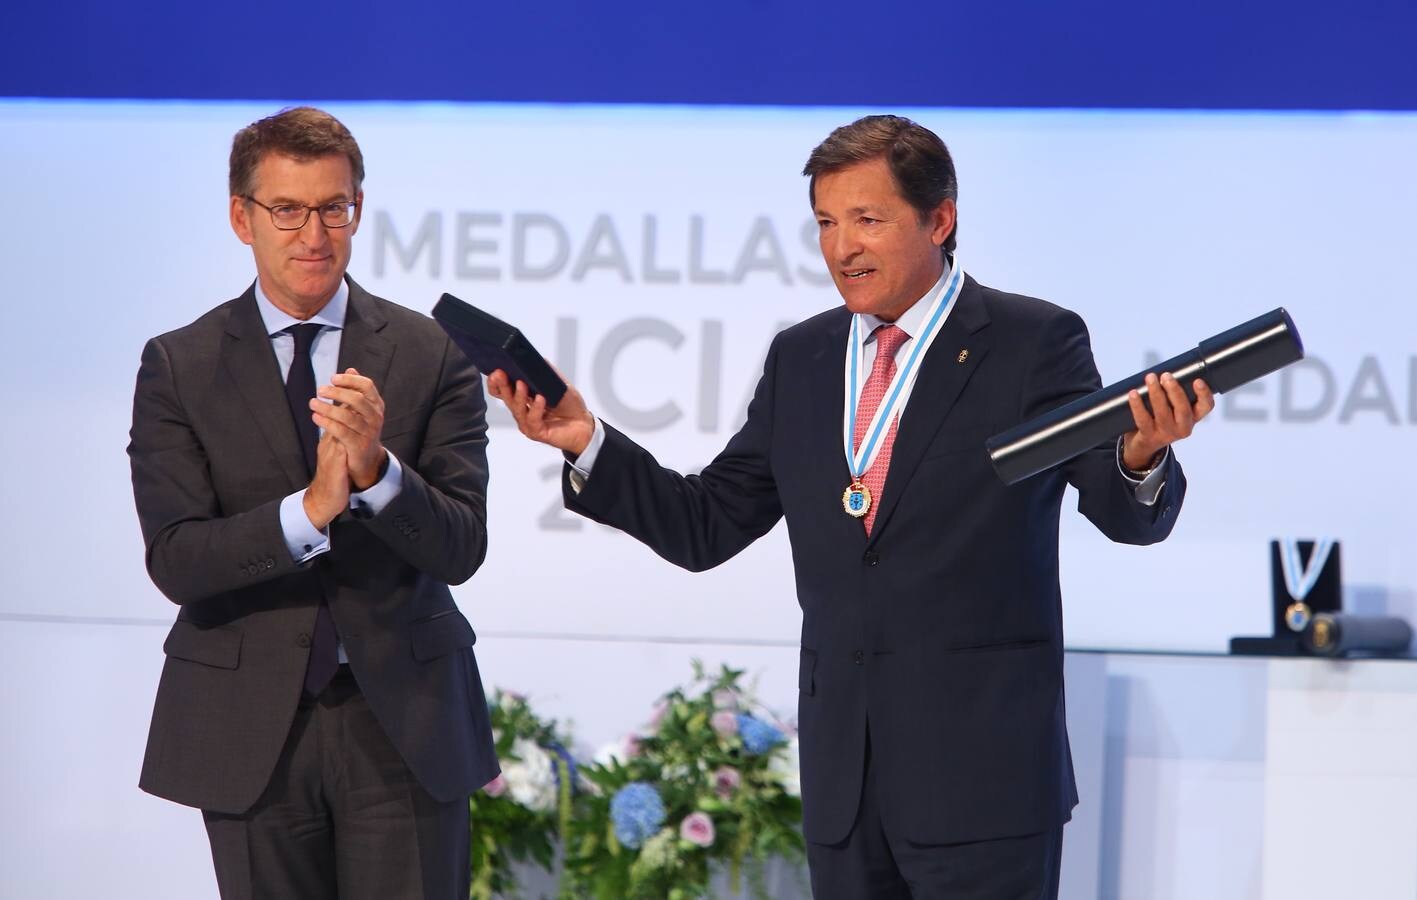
{"x":1208,"y":54}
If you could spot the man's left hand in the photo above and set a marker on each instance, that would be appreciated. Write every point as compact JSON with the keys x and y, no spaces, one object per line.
{"x":1172,"y":418}
{"x":355,"y":419}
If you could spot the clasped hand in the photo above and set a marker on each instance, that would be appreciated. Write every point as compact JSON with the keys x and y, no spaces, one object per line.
{"x":350,"y":456}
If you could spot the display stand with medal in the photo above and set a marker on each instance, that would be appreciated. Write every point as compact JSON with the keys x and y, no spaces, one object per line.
{"x":856,"y":500}
{"x":1305,"y":580}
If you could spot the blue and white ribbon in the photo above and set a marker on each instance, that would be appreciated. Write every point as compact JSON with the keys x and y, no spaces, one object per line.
{"x":1300,"y":579}
{"x":858,"y":460}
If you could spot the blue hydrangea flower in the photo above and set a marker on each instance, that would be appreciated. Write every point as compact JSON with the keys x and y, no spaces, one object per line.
{"x":758,"y":736}
{"x":637,"y":812}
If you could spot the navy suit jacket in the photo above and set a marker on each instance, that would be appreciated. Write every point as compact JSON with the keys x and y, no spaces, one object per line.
{"x":213,"y":452}
{"x":943,"y":630}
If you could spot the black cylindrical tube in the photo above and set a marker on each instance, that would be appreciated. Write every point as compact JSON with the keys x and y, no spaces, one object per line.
{"x":1334,"y":634}
{"x":1225,"y":362}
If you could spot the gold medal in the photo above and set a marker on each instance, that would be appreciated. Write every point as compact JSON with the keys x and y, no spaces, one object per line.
{"x":856,"y":500}
{"x":1297,"y":615}
{"x":1300,"y":578}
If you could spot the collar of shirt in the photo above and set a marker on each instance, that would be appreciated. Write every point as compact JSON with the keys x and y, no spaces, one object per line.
{"x":910,"y":321}
{"x":331,"y":315}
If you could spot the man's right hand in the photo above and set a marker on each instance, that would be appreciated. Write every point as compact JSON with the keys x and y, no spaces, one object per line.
{"x":328,"y":493}
{"x":568,"y":426}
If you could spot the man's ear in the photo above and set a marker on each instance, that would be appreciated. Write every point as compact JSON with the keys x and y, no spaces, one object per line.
{"x":241,"y":220}
{"x":942,"y":222}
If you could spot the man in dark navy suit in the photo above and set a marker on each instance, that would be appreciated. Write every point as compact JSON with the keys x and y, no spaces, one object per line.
{"x":935,"y":758}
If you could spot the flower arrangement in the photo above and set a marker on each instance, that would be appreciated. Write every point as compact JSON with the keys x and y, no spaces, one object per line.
{"x":710,"y":783}
{"x":520,"y":815}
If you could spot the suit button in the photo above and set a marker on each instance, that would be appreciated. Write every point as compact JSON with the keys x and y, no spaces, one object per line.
{"x":252,"y":570}
{"x":859,"y":658}
{"x":302,"y":640}
{"x":871,"y":558}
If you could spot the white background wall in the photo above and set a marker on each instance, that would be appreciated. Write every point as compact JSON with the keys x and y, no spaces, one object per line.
{"x":1161,"y":229}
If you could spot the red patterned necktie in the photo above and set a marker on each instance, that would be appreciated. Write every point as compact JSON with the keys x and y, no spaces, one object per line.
{"x":888,"y":341}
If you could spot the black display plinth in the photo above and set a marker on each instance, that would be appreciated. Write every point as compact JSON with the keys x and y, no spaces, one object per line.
{"x":1301,"y":587}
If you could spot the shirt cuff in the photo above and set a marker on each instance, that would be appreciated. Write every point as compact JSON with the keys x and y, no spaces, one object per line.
{"x":304,"y":540}
{"x":1148,"y":489}
{"x":372,"y":500}
{"x":581,"y":465}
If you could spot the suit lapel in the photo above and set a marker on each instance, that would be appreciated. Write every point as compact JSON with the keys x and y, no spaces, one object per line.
{"x":251,"y":364}
{"x":825,"y":425}
{"x":364,"y":346}
{"x":941,"y":380}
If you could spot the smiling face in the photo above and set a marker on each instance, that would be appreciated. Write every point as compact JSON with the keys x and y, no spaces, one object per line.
{"x":881,"y":255}
{"x":299,"y":270}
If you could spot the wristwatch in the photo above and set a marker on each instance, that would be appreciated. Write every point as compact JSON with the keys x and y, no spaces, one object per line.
{"x":1138,"y":474}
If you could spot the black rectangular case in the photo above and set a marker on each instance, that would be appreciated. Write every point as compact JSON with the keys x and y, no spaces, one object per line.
{"x":492,"y":344}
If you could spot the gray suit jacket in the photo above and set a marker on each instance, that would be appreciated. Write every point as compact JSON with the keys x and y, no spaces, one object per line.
{"x":213,"y":452}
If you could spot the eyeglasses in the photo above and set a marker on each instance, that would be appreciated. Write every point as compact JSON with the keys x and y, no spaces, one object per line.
{"x":293,"y":216}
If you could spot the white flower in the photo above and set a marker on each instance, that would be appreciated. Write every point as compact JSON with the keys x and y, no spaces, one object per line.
{"x":619,"y":752}
{"x":785,"y":766}
{"x":531,"y":777}
{"x":677,"y":772}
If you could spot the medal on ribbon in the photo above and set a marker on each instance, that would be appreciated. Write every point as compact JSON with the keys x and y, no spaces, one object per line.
{"x":856,"y":499}
{"x":1299,"y":579}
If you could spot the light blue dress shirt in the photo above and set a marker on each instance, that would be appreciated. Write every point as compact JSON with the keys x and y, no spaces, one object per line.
{"x":304,"y":540}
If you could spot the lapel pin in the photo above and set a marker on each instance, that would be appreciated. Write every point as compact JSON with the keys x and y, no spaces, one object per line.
{"x":963,"y":355}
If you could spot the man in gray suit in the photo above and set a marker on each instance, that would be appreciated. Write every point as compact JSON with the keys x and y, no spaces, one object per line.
{"x":320,"y":701}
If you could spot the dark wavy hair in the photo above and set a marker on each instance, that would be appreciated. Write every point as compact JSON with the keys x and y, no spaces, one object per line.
{"x":919,"y":161}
